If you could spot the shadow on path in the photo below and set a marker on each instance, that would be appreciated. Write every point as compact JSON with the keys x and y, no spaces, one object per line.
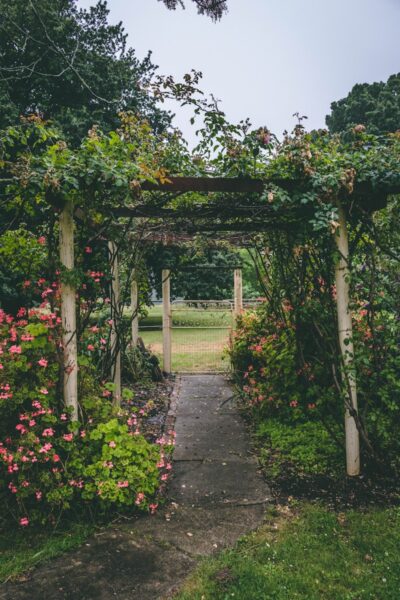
{"x":215,"y":496}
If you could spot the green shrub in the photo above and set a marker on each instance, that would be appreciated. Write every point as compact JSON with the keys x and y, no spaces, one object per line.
{"x":50,"y":464}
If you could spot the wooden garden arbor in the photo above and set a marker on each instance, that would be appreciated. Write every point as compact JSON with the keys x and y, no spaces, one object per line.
{"x":229,"y":216}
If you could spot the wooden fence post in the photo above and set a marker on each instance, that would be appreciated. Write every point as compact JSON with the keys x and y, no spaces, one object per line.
{"x":68,"y":312}
{"x":115,"y":308}
{"x":238,"y":291}
{"x":167,"y":322}
{"x":345,"y":329}
{"x":134,"y":308}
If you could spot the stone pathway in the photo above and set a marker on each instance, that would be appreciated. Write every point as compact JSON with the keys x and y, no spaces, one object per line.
{"x":215,"y":496}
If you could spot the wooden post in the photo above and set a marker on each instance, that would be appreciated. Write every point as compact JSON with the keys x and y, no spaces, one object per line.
{"x":115,"y":308}
{"x":345,"y":329}
{"x":167,"y":321}
{"x":134,"y":308}
{"x":238,"y":291}
{"x":68,"y":312}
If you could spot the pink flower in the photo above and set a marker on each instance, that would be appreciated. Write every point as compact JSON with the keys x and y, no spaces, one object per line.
{"x":123,"y":484}
{"x":38,"y":495}
{"x":164,"y":477}
{"x":41,"y":240}
{"x":153,"y":508}
{"x":44,"y":391}
{"x":63,"y":417}
{"x":49,"y":432}
{"x":15,"y":349}
{"x":139,"y":498}
{"x":68,"y":437}
{"x":45,"y":448}
{"x":88,"y":250}
{"x":112,"y":444}
{"x":26,"y":337}
{"x":56,"y":458}
{"x":90,"y":347}
{"x":293,"y":403}
{"x":24,"y":522}
{"x":42,"y":362}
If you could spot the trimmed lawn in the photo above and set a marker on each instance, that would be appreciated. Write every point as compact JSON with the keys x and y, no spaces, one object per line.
{"x":199,"y":338}
{"x":309,"y":553}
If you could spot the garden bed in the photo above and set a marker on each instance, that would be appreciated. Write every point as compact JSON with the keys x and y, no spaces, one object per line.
{"x":22,"y":550}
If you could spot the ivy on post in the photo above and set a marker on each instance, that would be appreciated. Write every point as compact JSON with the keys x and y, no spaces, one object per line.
{"x":167,"y":324}
{"x":68,"y":310}
{"x":345,"y":330}
{"x":115,"y":341}
{"x":134,"y":308}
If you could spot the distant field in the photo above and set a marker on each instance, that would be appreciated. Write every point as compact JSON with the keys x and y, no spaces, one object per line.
{"x":199,"y":338}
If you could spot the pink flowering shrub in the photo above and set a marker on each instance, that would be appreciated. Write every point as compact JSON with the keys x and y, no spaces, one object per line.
{"x":287,"y":372}
{"x":49,"y":464}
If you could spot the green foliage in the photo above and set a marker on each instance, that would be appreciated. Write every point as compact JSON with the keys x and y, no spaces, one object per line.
{"x":303,"y":448}
{"x":22,"y":262}
{"x":50,"y":465}
{"x":286,"y":356}
{"x":71,"y":66}
{"x":212,"y":8}
{"x":199,"y":272}
{"x":375,"y":105}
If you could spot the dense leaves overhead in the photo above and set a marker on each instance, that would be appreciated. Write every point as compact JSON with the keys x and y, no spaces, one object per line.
{"x":305,"y":176}
{"x":71,"y":66}
{"x":212,"y":8}
{"x":375,"y":105}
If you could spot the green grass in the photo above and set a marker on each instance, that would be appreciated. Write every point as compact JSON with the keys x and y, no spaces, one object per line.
{"x":24,"y":549}
{"x":307,"y":447}
{"x":199,"y":338}
{"x":314,"y":555}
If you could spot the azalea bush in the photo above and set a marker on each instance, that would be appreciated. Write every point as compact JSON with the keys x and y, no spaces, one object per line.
{"x":50,"y":464}
{"x":286,"y":357}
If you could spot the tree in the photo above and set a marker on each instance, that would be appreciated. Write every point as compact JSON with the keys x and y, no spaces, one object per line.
{"x":212,"y":8}
{"x":70,"y":65}
{"x":375,"y":105}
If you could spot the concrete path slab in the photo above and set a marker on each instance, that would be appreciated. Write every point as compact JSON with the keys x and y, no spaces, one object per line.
{"x":215,"y":496}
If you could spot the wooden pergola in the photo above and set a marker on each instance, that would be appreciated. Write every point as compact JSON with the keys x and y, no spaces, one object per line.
{"x":242,"y":216}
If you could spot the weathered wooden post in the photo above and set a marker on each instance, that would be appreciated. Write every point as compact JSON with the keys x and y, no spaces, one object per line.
{"x":238,"y":291}
{"x":68,"y":311}
{"x":115,"y":341}
{"x":167,"y":321}
{"x":345,"y":329}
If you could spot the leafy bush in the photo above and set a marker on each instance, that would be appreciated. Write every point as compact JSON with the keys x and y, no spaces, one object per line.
{"x":286,"y":372}
{"x":305,"y":447}
{"x":49,"y":464}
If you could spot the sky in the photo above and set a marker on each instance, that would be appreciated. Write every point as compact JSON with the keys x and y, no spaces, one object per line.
{"x":267,"y":59}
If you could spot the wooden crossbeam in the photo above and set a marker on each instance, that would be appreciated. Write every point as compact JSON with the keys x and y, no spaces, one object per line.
{"x":207,"y":184}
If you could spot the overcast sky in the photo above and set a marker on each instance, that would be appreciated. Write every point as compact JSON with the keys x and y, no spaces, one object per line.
{"x":267,"y":59}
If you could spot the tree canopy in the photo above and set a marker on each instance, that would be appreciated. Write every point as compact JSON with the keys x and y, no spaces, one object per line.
{"x":212,"y":8}
{"x":71,"y":66}
{"x":375,"y":105}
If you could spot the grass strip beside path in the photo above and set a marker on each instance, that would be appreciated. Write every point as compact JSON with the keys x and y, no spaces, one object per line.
{"x":307,"y":553}
{"x":22,"y":550}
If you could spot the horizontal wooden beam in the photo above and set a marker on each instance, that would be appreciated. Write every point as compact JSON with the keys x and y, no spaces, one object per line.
{"x":207,"y":184}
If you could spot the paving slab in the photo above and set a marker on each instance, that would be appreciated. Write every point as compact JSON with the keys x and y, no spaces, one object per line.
{"x":216,"y":495}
